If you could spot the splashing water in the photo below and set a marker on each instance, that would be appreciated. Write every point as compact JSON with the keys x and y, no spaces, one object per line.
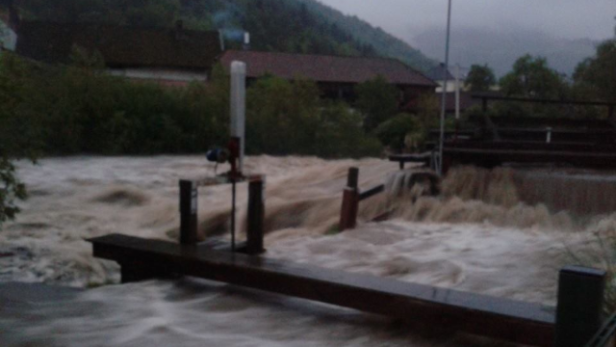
{"x":485,"y":234}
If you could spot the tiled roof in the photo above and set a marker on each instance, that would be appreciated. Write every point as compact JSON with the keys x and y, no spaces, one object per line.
{"x":121,"y":46}
{"x":323,"y":68}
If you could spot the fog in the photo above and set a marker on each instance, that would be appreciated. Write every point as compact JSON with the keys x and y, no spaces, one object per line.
{"x":572,"y":19}
{"x":494,"y":32}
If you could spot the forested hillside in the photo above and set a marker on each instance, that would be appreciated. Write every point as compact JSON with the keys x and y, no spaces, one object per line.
{"x":300,"y":26}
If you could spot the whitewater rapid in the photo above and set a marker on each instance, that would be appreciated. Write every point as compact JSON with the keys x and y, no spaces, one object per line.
{"x":479,"y":237}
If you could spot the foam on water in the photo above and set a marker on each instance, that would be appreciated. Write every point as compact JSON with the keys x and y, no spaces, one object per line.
{"x":480,"y":236}
{"x":77,"y":198}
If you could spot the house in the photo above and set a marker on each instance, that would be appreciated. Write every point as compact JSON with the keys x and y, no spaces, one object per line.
{"x":169,"y":56}
{"x":336,"y":76}
{"x":438,"y":74}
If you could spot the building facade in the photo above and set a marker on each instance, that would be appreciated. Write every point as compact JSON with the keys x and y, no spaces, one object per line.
{"x":336,"y":76}
{"x":168,"y":56}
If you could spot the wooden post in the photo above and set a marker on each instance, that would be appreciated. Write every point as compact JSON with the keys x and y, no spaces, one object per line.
{"x":256,"y":215}
{"x":188,"y":212}
{"x":353,"y":178}
{"x":580,"y":305}
{"x":350,"y":201}
{"x":350,"y":207}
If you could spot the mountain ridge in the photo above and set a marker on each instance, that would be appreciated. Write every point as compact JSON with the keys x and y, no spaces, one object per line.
{"x":293,"y":26}
{"x":501,"y":48}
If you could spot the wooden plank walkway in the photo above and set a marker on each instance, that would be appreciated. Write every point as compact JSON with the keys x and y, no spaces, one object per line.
{"x":504,"y":319}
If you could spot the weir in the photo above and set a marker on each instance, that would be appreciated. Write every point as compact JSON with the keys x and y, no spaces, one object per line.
{"x":531,"y":140}
{"x":397,"y":184}
{"x":574,"y":321}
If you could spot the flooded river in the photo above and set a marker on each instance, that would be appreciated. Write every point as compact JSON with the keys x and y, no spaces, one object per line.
{"x":503,"y":233}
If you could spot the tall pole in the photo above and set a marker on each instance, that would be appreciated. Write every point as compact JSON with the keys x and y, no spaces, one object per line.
{"x":457,"y":92}
{"x":444,"y":98}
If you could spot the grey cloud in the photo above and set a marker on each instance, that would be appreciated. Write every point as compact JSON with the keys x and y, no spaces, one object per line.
{"x":571,"y":19}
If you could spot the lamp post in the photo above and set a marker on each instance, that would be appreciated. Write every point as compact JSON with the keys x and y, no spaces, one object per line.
{"x":444,"y":97}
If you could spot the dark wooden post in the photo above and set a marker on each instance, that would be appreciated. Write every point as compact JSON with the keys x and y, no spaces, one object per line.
{"x":353,"y":178}
{"x":188,"y":212}
{"x":350,"y":201}
{"x":256,"y":215}
{"x":580,"y":305}
{"x":350,"y":207}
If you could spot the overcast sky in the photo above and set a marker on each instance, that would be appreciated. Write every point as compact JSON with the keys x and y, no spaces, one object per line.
{"x":563,"y":18}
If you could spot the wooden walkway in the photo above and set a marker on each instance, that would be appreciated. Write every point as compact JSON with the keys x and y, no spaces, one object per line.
{"x":509,"y":320}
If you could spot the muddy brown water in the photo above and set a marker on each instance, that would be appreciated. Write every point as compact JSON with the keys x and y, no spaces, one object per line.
{"x":503,"y":233}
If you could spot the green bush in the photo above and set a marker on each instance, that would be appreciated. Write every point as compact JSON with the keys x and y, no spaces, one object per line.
{"x":286,"y":117}
{"x":80,"y":109}
{"x":404,"y":131}
{"x":341,"y":134}
{"x":377,"y":99}
{"x":282,"y":117}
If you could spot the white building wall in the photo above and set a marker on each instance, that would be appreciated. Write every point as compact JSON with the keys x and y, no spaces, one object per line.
{"x":8,"y":38}
{"x":160,"y":74}
{"x":451,"y":86}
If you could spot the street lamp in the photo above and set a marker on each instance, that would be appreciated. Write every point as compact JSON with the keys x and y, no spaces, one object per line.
{"x":444,"y":98}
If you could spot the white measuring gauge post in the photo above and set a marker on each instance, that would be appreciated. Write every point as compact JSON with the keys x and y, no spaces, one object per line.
{"x":238,"y":106}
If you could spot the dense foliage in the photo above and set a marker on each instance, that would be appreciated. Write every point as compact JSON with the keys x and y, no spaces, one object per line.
{"x":377,"y":100}
{"x":80,"y":109}
{"x":533,"y":78}
{"x":480,"y":78}
{"x":17,"y":138}
{"x":285,"y":116}
{"x":403,"y":131}
{"x":298,"y":26}
{"x":596,"y":76}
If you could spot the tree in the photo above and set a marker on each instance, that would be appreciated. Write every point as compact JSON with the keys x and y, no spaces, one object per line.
{"x":377,"y":99}
{"x":404,"y":131}
{"x":340,"y":133}
{"x":533,"y":78}
{"x":596,"y":77}
{"x":480,"y":78}
{"x":153,"y":13}
{"x":282,"y":116}
{"x":17,"y":138}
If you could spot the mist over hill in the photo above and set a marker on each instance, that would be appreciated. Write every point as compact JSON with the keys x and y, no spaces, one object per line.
{"x":500,"y":49}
